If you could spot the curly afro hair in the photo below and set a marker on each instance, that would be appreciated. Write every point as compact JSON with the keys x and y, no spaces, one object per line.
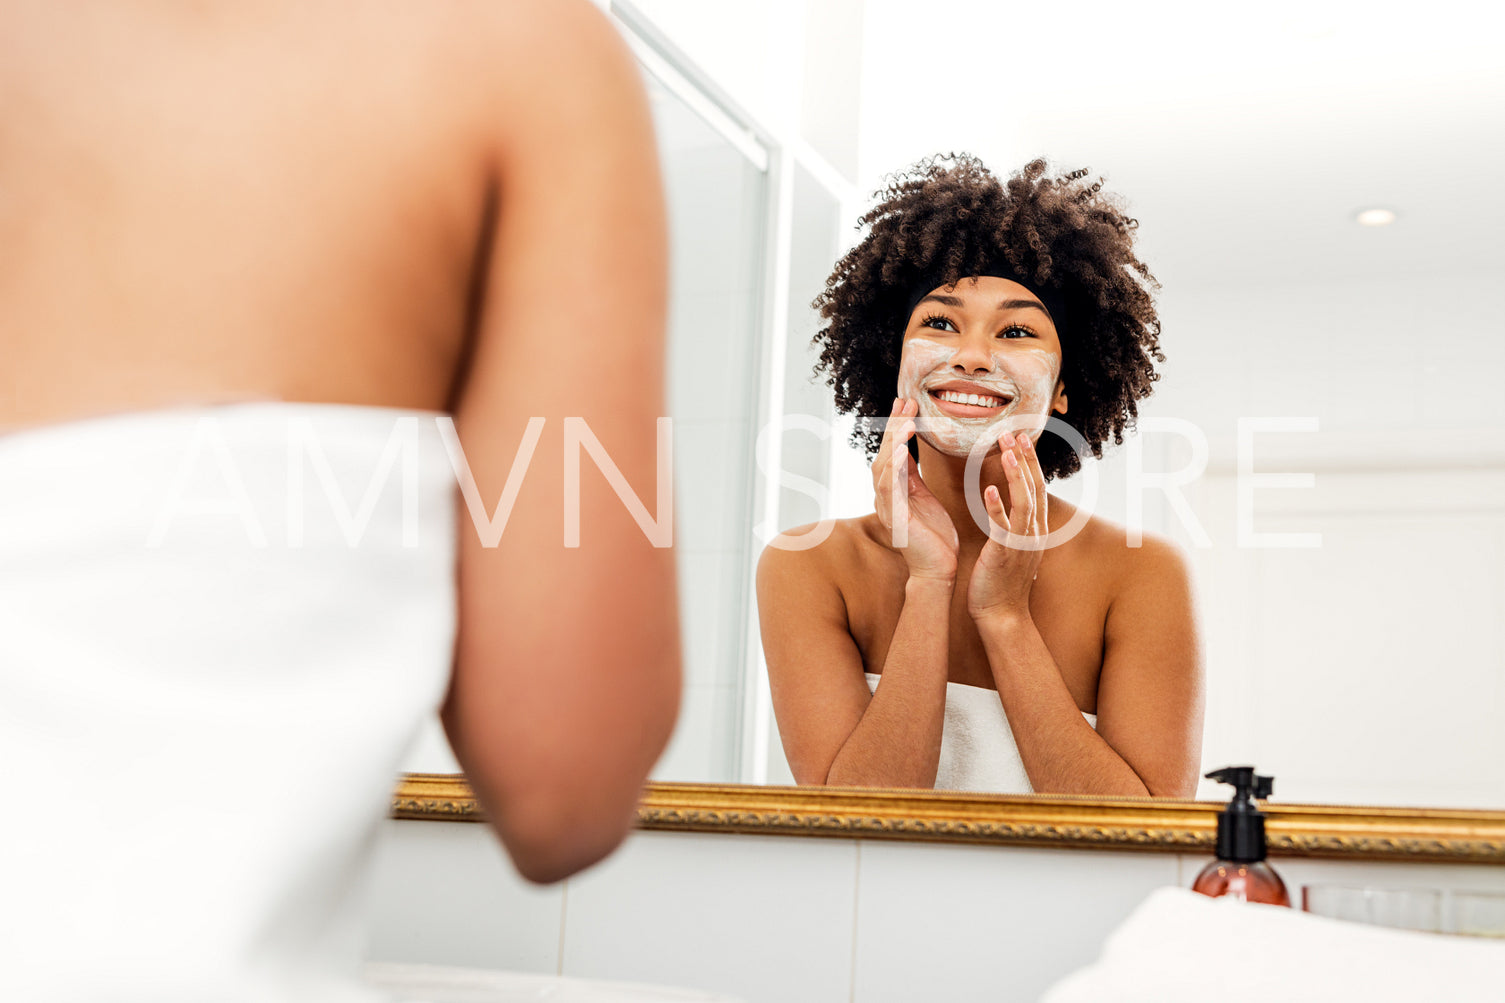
{"x":949,"y":216}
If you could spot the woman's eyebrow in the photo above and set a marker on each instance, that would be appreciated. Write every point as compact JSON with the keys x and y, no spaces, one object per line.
{"x":955,"y":301}
{"x":1022,"y":305}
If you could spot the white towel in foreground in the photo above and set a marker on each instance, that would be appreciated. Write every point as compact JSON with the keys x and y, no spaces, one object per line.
{"x":1180,"y":946}
{"x":220,"y":629}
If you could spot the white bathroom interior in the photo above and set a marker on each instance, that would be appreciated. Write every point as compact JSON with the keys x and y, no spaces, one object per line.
{"x":1352,"y":601}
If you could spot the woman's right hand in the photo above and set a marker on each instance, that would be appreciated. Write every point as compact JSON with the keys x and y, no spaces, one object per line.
{"x":927,"y":538}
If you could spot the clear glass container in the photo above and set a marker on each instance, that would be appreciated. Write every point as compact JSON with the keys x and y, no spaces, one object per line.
{"x":1398,"y":908}
{"x":1478,"y":914}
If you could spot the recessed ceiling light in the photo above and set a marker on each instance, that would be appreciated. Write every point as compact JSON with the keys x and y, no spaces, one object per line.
{"x":1375,"y":217}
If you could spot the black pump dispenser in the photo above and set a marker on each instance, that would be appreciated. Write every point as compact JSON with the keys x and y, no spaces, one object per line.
{"x":1241,"y":826}
{"x":1240,"y":872}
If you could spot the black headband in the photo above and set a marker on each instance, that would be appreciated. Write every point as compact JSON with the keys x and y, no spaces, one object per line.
{"x":934,"y":278}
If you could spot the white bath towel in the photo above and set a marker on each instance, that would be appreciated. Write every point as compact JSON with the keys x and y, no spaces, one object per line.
{"x":1182,"y":947}
{"x":220,"y":630}
{"x":977,"y":745}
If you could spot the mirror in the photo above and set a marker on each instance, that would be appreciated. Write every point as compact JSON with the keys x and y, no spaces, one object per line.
{"x":1367,"y":669}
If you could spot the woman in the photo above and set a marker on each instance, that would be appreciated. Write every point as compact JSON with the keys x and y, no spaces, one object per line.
{"x":245,"y":219}
{"x":1015,"y":644}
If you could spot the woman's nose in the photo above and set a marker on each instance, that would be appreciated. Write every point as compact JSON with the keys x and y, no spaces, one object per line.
{"x":974,"y":355}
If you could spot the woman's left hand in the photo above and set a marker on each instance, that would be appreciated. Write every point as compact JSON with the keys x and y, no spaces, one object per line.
{"x":1006,"y":568}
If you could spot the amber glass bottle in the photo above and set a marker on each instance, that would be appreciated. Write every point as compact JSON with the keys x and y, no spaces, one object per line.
{"x":1240,"y":871}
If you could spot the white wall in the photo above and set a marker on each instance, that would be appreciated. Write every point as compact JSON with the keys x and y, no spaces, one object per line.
{"x":1366,"y":670}
{"x":792,"y":919}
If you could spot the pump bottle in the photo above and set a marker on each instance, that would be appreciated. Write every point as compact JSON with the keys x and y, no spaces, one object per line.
{"x":1240,"y":871}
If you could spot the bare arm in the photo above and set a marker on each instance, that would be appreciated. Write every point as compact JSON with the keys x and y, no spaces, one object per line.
{"x":834,"y":729}
{"x":898,"y":741}
{"x":567,"y":672}
{"x":1149,"y":730}
{"x":1148,"y":739}
{"x":1152,"y":691}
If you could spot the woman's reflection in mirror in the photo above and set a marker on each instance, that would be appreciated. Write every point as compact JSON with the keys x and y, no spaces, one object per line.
{"x":922,"y":645}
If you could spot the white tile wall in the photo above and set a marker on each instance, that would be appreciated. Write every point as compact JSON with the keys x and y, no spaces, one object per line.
{"x":764,"y":918}
{"x":444,"y":893}
{"x":960,"y":923}
{"x":788,"y":919}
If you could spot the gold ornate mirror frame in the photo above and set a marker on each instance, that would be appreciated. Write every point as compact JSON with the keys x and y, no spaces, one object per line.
{"x":1354,"y":832}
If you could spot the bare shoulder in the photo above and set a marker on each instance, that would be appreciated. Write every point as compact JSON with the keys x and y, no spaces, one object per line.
{"x":1147,"y":581}
{"x":1122,"y":561}
{"x":566,"y":23}
{"x":558,"y":45}
{"x":1155,"y":564}
{"x":816,"y":554}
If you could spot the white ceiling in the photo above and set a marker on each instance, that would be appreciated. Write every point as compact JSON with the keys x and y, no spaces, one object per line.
{"x":1244,"y":136}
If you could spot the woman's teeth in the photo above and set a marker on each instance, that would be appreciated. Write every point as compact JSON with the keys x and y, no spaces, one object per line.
{"x":976,"y":400}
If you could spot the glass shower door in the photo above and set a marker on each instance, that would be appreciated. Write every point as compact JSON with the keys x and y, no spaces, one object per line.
{"x":718,"y":206}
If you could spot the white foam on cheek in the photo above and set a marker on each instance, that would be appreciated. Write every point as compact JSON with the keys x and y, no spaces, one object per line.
{"x":921,"y":358}
{"x":921,"y":362}
{"x":1032,"y":371}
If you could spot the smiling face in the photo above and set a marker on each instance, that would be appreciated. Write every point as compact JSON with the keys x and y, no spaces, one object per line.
{"x":981,"y":358}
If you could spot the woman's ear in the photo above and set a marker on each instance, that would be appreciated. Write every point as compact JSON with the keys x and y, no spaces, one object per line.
{"x":1059,"y":405}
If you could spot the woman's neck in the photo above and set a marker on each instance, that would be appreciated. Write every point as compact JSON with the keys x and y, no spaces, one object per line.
{"x":946,"y":476}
